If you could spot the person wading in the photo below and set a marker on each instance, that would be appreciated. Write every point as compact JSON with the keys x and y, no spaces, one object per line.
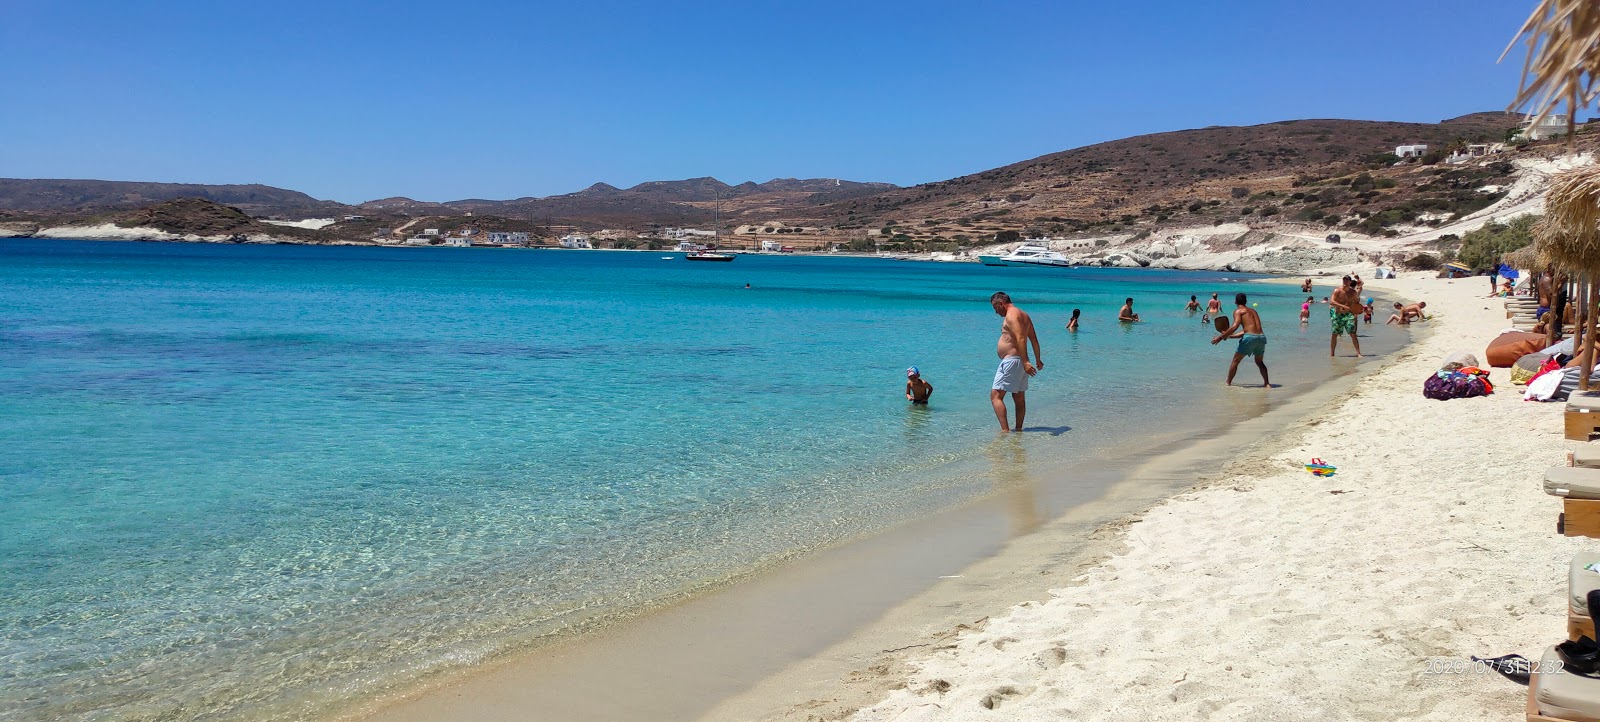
{"x":1016,"y":333}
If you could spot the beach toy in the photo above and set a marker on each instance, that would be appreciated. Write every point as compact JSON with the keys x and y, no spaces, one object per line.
{"x":1253,"y":305}
{"x":1318,"y":468}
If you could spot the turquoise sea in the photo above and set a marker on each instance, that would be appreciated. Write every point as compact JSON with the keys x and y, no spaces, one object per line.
{"x":260,"y":482}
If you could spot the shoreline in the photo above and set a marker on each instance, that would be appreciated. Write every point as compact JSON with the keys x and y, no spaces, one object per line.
{"x":1265,"y":593}
{"x":945,"y":567}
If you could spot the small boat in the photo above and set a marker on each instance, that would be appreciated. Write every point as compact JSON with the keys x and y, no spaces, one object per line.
{"x":707,"y":256}
{"x":1028,"y":254}
{"x":666,"y":258}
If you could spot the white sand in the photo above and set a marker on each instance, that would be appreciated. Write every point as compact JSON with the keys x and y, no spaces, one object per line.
{"x":1265,"y":595}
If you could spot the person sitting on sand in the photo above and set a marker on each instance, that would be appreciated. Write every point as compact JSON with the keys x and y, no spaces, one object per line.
{"x":1192,"y":306}
{"x":1213,"y":307}
{"x":1252,"y":341}
{"x":1072,"y":323}
{"x":1126,"y":314}
{"x":1399,"y":315}
{"x":917,"y":391}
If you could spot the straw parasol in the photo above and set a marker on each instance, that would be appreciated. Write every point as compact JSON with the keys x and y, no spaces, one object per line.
{"x":1563,"y":63}
{"x":1569,"y":235}
{"x":1526,"y":257}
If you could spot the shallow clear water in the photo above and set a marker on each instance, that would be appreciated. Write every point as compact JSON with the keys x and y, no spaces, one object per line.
{"x":259,"y":482}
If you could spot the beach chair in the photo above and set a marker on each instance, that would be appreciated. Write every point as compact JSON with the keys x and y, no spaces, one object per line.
{"x":1556,"y":695}
{"x":1579,"y":489}
{"x":1583,"y":417}
{"x":1587,"y":456}
{"x":1581,"y":581}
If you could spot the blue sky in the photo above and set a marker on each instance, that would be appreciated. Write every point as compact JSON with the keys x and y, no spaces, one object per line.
{"x":440,"y":101}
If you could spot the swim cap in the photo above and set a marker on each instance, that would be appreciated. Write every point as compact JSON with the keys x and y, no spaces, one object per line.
{"x":912,"y":372}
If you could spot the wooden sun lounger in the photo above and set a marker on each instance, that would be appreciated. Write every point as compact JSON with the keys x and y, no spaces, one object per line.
{"x":1552,"y":693}
{"x":1579,"y":489}
{"x":1582,"y":417}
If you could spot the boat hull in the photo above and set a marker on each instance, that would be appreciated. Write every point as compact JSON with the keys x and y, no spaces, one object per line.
{"x":723,"y":259}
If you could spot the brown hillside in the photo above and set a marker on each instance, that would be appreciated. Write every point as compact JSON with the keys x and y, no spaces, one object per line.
{"x":1105,"y":182}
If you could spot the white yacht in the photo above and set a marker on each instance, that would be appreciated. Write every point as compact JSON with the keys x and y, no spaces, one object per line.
{"x":1028,"y":254}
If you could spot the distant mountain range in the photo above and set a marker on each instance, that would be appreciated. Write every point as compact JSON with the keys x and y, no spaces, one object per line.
{"x":680,"y":201}
{"x":1223,"y":168}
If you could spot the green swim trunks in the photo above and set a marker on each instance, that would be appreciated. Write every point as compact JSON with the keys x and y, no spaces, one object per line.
{"x":1252,"y":344}
{"x":1343,"y":323}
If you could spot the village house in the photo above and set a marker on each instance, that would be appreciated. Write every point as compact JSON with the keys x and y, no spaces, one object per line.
{"x":575,"y":240}
{"x":1410,"y":151}
{"x":508,"y":238}
{"x":1553,"y":125}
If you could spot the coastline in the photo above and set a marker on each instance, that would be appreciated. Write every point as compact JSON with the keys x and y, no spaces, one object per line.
{"x":683,"y":662}
{"x":1263,"y":592}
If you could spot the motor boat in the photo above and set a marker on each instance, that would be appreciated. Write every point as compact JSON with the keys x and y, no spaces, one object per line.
{"x":707,"y":256}
{"x":1028,"y":254}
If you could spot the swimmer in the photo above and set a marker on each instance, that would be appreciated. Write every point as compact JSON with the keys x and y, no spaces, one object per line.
{"x":1072,"y":323}
{"x":917,"y":391}
{"x":1126,"y":314}
{"x":1192,"y":306}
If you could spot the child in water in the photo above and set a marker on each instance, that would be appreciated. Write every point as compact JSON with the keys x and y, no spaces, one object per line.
{"x":1305,"y":310}
{"x":1072,"y":323}
{"x":917,"y":391}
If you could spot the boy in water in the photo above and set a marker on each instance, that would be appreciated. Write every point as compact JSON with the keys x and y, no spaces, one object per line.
{"x":1072,"y":323}
{"x":917,"y":391}
{"x":1252,"y":341}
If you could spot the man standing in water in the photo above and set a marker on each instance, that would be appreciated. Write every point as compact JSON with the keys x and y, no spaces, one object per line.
{"x":1252,"y":343}
{"x":1346,"y":302}
{"x":1016,"y":332}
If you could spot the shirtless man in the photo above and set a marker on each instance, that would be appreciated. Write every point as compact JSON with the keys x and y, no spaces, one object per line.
{"x":1213,"y":307}
{"x":1414,"y":312}
{"x":1346,"y":304}
{"x":1016,"y":333}
{"x":1192,"y":306}
{"x":1126,"y":314}
{"x":1252,"y":342}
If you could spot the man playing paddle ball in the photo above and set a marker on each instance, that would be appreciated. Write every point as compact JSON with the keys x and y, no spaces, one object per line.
{"x":1252,"y":342}
{"x":1012,"y":376}
{"x":1346,"y":302}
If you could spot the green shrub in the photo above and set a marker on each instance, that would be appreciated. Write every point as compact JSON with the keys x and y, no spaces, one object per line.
{"x":1482,"y":247}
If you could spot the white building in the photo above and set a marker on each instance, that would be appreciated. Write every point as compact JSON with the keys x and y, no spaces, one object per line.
{"x":1410,"y":151}
{"x":430,"y":231}
{"x":458,"y":241}
{"x":508,"y":238}
{"x":691,"y":246}
{"x":1554,"y":125}
{"x":419,"y":241}
{"x":574,"y":240}
{"x":678,"y":234}
{"x":772,"y":245}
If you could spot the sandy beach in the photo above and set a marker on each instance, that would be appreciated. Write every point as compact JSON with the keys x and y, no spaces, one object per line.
{"x":1267,"y":593}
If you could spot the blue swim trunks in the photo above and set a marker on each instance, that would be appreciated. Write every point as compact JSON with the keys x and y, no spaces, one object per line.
{"x":1252,"y":344}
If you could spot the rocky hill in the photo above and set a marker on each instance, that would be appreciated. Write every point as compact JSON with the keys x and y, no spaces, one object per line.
{"x":76,"y":196}
{"x":1114,"y":183}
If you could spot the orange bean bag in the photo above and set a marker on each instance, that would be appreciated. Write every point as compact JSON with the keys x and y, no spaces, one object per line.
{"x":1504,"y":351}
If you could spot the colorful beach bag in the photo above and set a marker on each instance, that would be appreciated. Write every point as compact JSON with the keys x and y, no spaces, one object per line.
{"x":1318,"y":468}
{"x":1463,"y":384}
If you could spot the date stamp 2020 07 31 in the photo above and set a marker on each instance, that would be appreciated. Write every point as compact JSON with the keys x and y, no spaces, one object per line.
{"x":1456,"y":665}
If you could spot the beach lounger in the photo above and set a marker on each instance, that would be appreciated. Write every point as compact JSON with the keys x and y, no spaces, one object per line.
{"x":1579,"y":489}
{"x":1555,"y":695}
{"x":1587,"y":456}
{"x":1583,"y":416}
{"x":1580,"y":582}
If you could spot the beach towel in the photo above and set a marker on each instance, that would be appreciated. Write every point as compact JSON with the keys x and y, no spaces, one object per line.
{"x":1544,"y":388}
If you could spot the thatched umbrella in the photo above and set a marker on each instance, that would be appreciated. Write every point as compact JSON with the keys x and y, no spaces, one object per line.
{"x":1569,"y":237}
{"x":1563,"y":63}
{"x":1525,"y":258}
{"x":1569,"y":234}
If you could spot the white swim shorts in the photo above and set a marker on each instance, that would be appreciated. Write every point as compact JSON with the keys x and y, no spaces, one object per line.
{"x":1010,"y":377}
